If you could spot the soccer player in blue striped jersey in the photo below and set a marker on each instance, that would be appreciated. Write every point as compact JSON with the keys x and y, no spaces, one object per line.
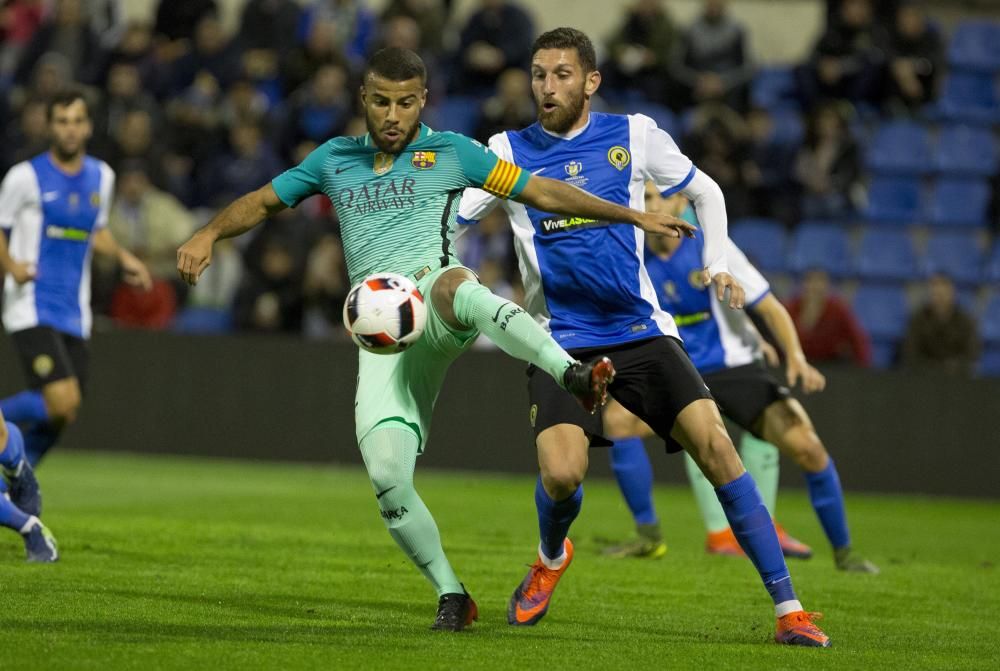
{"x":54,"y":213}
{"x":39,"y":544}
{"x":585,"y":281}
{"x":720,"y":343}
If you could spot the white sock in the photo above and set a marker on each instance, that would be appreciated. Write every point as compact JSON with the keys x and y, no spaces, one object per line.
{"x":554,"y":564}
{"x":785,"y":607}
{"x":29,"y":525}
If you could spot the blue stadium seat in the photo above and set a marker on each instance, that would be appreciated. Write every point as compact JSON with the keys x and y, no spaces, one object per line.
{"x":959,"y":202}
{"x":887,"y":254}
{"x":989,"y":362}
{"x":763,"y":241}
{"x":975,"y":46}
{"x":989,"y":322}
{"x":882,"y":310}
{"x":955,"y":254}
{"x":970,"y":97}
{"x":203,"y":320}
{"x":900,"y":148}
{"x":993,"y":265}
{"x":773,"y":88}
{"x":455,"y":113}
{"x":893,"y":200}
{"x":789,"y":130}
{"x":820,"y":246}
{"x":663,"y":117}
{"x":966,"y":151}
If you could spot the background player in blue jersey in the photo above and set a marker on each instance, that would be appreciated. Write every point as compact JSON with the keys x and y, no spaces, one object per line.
{"x":585,"y":280}
{"x":39,"y":544}
{"x":720,"y":344}
{"x":54,"y":211}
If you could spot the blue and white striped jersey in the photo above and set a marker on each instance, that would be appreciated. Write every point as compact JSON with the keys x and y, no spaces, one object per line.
{"x":50,"y":218}
{"x":715,"y":336}
{"x":585,"y":280}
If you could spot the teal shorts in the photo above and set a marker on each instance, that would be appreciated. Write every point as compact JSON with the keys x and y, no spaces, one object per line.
{"x":399,"y":390}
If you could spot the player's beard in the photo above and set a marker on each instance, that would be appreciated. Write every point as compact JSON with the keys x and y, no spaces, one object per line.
{"x":67,"y":154}
{"x":396,"y":146}
{"x":561,"y":119}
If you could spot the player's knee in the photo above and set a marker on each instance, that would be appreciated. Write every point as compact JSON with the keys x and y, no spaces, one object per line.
{"x":562,"y":481}
{"x":808,"y":452}
{"x":4,"y":435}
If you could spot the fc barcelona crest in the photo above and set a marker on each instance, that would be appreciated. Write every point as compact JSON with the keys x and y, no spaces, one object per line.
{"x":424,"y":160}
{"x":383,"y":163}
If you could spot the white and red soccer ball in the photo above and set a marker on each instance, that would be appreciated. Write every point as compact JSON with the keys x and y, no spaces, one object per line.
{"x":385,"y":313}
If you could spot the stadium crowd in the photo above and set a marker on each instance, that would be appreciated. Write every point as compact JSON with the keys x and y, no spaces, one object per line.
{"x":860,"y":180}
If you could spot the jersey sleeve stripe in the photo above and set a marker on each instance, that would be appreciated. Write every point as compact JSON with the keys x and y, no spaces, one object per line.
{"x":679,"y":187}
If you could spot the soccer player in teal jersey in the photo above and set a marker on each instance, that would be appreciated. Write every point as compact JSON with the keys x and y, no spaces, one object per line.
{"x":396,"y":191}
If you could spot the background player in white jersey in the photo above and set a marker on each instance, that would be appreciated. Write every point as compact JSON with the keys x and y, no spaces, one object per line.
{"x":585,"y":280}
{"x":54,"y":207}
{"x":39,"y":544}
{"x":721,"y":345}
{"x":396,"y":190}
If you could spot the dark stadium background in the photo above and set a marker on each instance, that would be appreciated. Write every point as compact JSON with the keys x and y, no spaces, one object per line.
{"x":198,"y":101}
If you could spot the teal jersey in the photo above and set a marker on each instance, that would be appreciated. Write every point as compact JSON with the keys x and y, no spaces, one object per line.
{"x":397,"y":211}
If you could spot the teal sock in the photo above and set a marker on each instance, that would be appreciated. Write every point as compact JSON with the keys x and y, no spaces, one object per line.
{"x":390,"y":454}
{"x":711,"y":510}
{"x":511,"y":328}
{"x":761,"y":460}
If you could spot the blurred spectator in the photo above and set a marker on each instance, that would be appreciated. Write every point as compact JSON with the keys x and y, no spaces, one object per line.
{"x":27,"y":138}
{"x":941,"y":334}
{"x":68,"y":34}
{"x":488,"y":241}
{"x":319,"y":110}
{"x":848,"y":60}
{"x":123,"y":93}
{"x":194,"y":135}
{"x":269,"y":24}
{"x":511,"y":108}
{"x":213,"y":52}
{"x":249,"y":164}
{"x":431,"y":17}
{"x":713,"y":62}
{"x":718,"y":145}
{"x":496,"y":37}
{"x":317,"y":50}
{"x":640,"y":51}
{"x":767,"y":170}
{"x":828,"y":166}
{"x":827,"y":327}
{"x":19,"y":19}
{"x":107,"y":20}
{"x":355,"y":26}
{"x":270,"y":298}
{"x":136,"y":48}
{"x":177,"y":19}
{"x":916,"y":55}
{"x":326,"y":287}
{"x":135,"y":138}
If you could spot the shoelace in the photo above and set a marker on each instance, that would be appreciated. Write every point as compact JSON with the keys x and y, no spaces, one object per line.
{"x":543,"y":576}
{"x":807,"y":620}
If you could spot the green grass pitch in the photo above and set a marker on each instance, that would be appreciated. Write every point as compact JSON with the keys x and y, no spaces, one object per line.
{"x":179,"y":563}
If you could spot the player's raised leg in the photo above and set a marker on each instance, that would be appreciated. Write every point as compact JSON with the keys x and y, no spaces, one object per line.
{"x":700,"y":430}
{"x":24,"y":490}
{"x":45,"y":412}
{"x":464,"y":303}
{"x":787,"y":426}
{"x":562,"y":461}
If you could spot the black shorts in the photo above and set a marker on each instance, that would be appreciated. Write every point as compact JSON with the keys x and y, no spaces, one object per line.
{"x":744,"y":393}
{"x":654,"y":380}
{"x":48,"y":355}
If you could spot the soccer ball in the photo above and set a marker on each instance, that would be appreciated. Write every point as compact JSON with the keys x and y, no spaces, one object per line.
{"x":385,"y":313}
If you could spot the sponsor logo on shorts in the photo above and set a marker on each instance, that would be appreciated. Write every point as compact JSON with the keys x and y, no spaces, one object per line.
{"x":43,"y":365}
{"x":533,"y":414}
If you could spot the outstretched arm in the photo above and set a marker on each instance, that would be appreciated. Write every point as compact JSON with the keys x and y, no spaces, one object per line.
{"x":558,"y":197}
{"x":780,"y":322}
{"x":243,"y":214}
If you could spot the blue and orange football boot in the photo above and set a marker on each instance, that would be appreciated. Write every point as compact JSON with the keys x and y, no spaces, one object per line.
{"x":797,"y":628}
{"x":530,"y":600}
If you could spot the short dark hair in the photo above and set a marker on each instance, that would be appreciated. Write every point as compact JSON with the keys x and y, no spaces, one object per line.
{"x":65,"y":99}
{"x":568,"y":38}
{"x":396,"y":64}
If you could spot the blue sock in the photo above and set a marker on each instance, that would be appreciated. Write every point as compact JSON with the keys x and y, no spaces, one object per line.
{"x":755,"y":532}
{"x":554,"y":518}
{"x":24,"y":407}
{"x":828,"y":501}
{"x":38,"y":439}
{"x":10,"y":515}
{"x":634,"y":474}
{"x":12,"y":453}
